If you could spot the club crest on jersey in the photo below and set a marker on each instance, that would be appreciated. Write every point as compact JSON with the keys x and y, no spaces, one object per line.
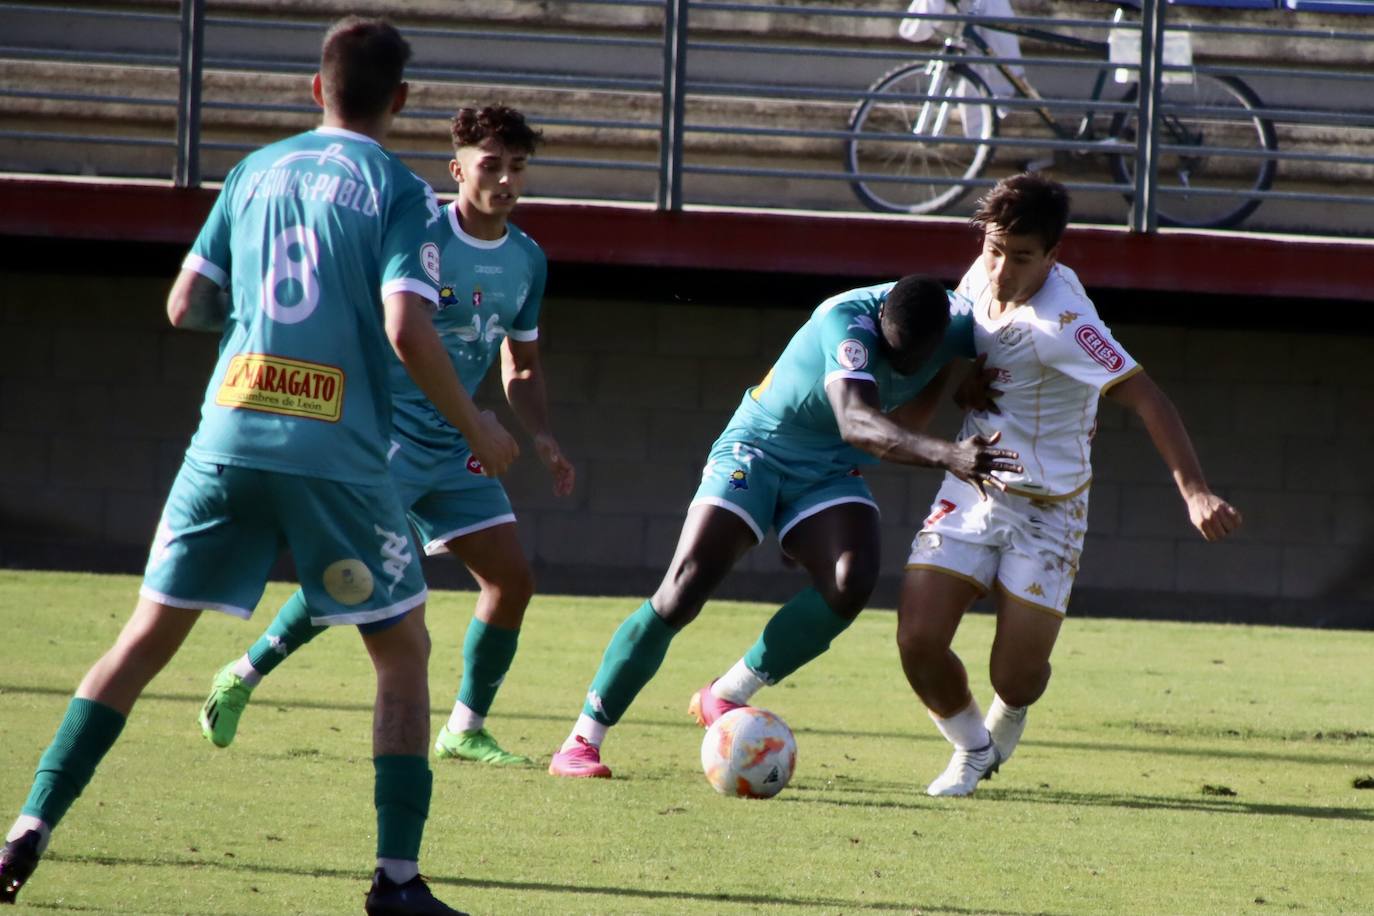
{"x":447,"y":297}
{"x":477,"y":297}
{"x":739,"y":480}
{"x":474,"y":466}
{"x":852,"y":354}
{"x":1095,"y":344}
{"x":1011,"y":336}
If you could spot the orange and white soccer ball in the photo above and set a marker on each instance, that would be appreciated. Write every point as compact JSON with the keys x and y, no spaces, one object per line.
{"x":749,"y":753}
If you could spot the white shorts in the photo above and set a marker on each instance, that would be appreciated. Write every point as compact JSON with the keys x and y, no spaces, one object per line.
{"x":1028,"y":546}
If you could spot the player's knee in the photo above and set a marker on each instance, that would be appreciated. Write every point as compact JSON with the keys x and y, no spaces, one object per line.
{"x":917,"y":643}
{"x":1020,"y":684}
{"x":683,"y":592}
{"x":514,"y":589}
{"x":852,"y":585}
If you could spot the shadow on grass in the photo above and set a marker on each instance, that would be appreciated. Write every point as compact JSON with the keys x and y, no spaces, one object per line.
{"x":824,"y":795}
{"x":1146,"y":730}
{"x":807,"y":904}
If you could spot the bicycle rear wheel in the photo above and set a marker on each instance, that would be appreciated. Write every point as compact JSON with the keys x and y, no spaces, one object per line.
{"x":1208,"y":113}
{"x":913,"y":156}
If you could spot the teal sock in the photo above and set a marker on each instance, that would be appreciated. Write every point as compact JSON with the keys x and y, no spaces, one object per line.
{"x":401,"y":793}
{"x":290,"y":630}
{"x":631,"y":660}
{"x":800,"y":631}
{"x":87,"y":732}
{"x":487,"y":654}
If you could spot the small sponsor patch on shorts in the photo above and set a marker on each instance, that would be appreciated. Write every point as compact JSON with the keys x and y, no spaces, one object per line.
{"x":348,"y":582}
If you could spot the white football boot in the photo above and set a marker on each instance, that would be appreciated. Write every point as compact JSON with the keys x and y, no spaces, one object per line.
{"x":965,"y":770}
{"x":1005,"y":724}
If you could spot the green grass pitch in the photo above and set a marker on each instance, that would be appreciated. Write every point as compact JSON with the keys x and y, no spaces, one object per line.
{"x":1170,"y":769}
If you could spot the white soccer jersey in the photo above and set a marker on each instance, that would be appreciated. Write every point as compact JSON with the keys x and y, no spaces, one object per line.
{"x":1054,"y":357}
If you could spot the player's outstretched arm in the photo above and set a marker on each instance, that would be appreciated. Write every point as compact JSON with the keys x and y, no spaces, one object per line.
{"x":522,"y":375}
{"x":196,"y":303}
{"x":1209,"y":513}
{"x":417,"y":344}
{"x":863,"y":425}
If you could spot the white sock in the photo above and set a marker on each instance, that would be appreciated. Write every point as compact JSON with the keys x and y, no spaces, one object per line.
{"x":244,"y":669}
{"x":964,"y":729}
{"x":739,"y":684}
{"x":463,"y":719}
{"x":589,"y":730}
{"x":399,"y":870}
{"x":1000,"y":711}
{"x":24,"y":824}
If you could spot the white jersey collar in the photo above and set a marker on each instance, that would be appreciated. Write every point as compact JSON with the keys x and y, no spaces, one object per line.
{"x":487,"y":244}
{"x":345,"y":132}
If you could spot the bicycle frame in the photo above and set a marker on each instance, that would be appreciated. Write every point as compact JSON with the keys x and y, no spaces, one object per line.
{"x":957,"y":44}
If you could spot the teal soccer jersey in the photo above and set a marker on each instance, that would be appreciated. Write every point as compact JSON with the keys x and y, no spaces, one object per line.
{"x":489,"y":290}
{"x":301,"y":385}
{"x":840,"y":340}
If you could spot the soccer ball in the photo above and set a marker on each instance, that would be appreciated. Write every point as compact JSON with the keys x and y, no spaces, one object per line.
{"x":749,"y":753}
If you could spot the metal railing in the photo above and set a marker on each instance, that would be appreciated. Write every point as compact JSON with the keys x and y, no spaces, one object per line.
{"x":1264,"y":119}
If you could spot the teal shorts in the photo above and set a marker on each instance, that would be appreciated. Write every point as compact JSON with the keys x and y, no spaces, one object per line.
{"x":445,"y":494}
{"x":770,"y":486}
{"x":223,"y":527}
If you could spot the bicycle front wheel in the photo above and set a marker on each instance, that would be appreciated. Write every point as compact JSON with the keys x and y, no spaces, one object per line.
{"x":911,"y":150}
{"x":1197,"y":119}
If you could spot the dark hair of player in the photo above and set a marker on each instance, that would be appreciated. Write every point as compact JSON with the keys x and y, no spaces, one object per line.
{"x":361,"y":65}
{"x":914,"y":315}
{"x":473,"y":126}
{"x":1025,"y":204}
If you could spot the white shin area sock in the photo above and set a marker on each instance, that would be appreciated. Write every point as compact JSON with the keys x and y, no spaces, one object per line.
{"x":589,"y":730}
{"x":964,"y":729}
{"x":399,"y":870}
{"x":23,"y":824}
{"x":739,"y":684}
{"x":244,"y":669}
{"x":463,"y":719}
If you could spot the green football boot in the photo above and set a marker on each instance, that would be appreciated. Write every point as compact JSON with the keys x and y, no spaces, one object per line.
{"x":219,"y":717}
{"x":478,"y":746}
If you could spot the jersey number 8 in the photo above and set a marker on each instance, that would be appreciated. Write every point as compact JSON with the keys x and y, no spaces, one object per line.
{"x":291,"y":275}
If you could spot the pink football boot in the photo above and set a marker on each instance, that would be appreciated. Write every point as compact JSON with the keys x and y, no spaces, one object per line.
{"x":582,"y":760}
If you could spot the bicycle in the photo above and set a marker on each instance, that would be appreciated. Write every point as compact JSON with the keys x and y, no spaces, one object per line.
{"x":906,"y":155}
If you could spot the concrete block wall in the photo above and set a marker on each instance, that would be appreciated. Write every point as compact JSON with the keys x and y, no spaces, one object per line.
{"x":98,"y":398}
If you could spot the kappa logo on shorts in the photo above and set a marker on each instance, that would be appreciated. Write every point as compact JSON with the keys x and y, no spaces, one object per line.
{"x":1095,"y":345}
{"x":928,"y":540}
{"x":474,"y":466}
{"x":395,"y":555}
{"x":739,"y":480}
{"x":851,"y":354}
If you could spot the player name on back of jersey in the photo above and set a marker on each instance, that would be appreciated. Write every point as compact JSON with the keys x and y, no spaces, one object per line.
{"x":274,"y":384}
{"x":284,"y":180}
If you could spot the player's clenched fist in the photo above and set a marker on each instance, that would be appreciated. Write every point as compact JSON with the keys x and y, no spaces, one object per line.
{"x":1212,"y":515}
